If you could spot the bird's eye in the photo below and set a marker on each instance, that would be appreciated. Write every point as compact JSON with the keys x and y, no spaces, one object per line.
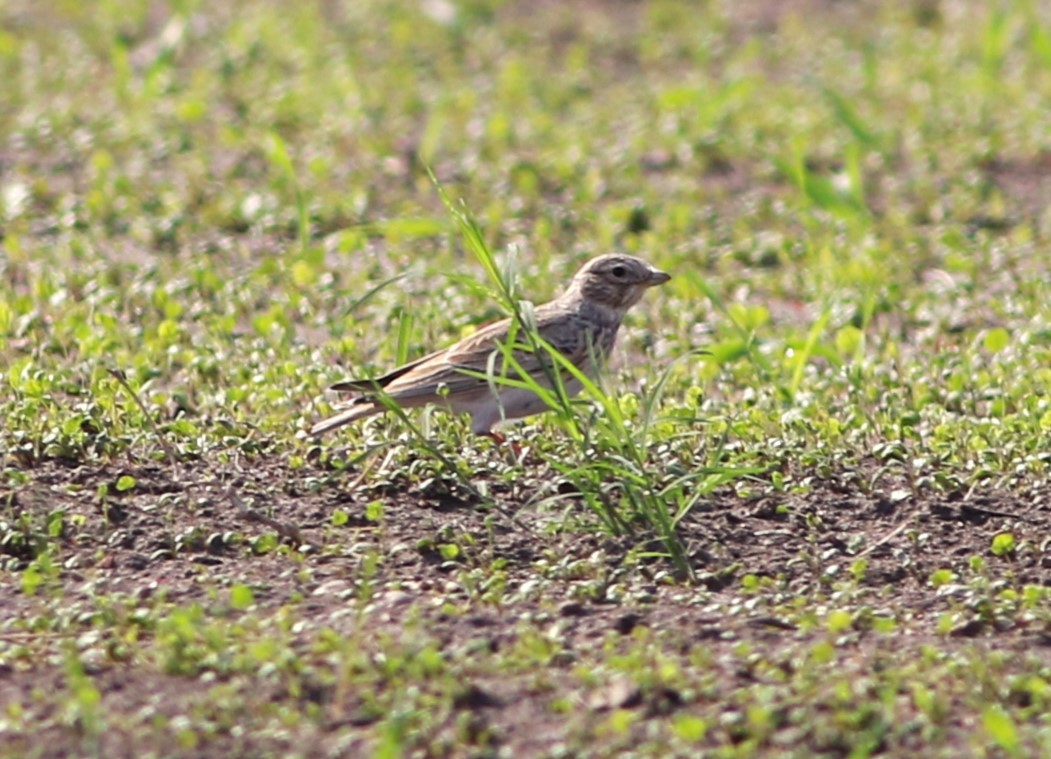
{"x":618,"y":272}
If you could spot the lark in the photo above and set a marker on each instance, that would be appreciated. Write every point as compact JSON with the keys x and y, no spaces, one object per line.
{"x":581,"y":324}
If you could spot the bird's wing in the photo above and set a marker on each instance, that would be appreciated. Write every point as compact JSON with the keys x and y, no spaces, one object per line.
{"x":423,"y":376}
{"x":446,"y":372}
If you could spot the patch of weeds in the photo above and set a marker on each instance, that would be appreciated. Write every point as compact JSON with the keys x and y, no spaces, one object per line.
{"x":611,"y":463}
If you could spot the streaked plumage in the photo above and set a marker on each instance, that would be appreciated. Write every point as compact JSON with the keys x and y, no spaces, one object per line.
{"x":581,"y":323}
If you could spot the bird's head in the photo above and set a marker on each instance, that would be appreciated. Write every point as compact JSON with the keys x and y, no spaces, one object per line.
{"x":615,"y":281}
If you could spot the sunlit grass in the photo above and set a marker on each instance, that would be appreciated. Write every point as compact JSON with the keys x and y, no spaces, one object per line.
{"x":229,"y":206}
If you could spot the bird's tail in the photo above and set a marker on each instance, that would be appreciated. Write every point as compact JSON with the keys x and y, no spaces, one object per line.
{"x":350,"y":414}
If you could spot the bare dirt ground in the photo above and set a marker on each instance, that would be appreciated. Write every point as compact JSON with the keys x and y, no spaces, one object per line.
{"x":151,"y":545}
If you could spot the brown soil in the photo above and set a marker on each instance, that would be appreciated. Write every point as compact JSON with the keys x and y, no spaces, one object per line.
{"x":134,"y":548}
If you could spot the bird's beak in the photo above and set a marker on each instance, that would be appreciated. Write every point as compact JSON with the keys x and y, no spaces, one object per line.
{"x":658,"y":277}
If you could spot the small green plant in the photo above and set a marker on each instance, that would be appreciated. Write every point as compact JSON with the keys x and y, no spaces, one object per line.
{"x":41,"y":574}
{"x":1004,"y":544}
{"x":83,"y":701}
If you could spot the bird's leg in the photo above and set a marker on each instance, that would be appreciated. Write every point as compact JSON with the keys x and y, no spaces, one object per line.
{"x":501,"y":440}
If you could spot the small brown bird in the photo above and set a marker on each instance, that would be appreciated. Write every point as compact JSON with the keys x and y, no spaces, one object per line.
{"x":581,"y":324}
